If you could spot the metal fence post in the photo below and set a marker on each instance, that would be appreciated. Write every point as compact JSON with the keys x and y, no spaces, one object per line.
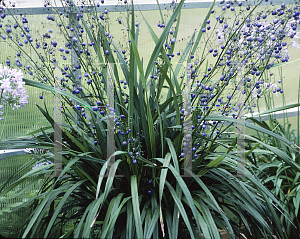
{"x":110,"y":116}
{"x":187,"y":126}
{"x":240,"y":129}
{"x":57,"y":125}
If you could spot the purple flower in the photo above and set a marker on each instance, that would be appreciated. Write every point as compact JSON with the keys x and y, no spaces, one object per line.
{"x":12,"y":87}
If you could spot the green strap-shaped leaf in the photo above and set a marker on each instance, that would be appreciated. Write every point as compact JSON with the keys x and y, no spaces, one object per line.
{"x":149,"y":115}
{"x":162,"y":38}
{"x":181,"y":209}
{"x":185,"y":190}
{"x":136,"y":207}
{"x":173,"y":153}
{"x":60,"y":205}
{"x":38,"y":212}
{"x":91,"y":218}
{"x":82,"y":220}
{"x":74,"y":140}
{"x":110,"y":227}
{"x":249,"y":125}
{"x":277,"y":152}
{"x":210,"y":165}
{"x":163,"y":175}
{"x":129,"y":221}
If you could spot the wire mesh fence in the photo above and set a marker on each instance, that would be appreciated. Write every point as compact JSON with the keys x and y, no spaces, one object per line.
{"x":12,"y":221}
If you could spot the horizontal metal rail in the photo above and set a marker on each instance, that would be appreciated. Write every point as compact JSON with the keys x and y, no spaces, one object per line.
{"x":141,"y":7}
{"x":278,"y":115}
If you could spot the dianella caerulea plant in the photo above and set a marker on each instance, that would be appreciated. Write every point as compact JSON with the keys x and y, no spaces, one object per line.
{"x":152,"y":198}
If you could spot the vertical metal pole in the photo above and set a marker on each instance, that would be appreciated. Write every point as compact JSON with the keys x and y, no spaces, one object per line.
{"x":240,"y":129}
{"x":110,"y":117}
{"x":57,"y":125}
{"x":187,"y":140}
